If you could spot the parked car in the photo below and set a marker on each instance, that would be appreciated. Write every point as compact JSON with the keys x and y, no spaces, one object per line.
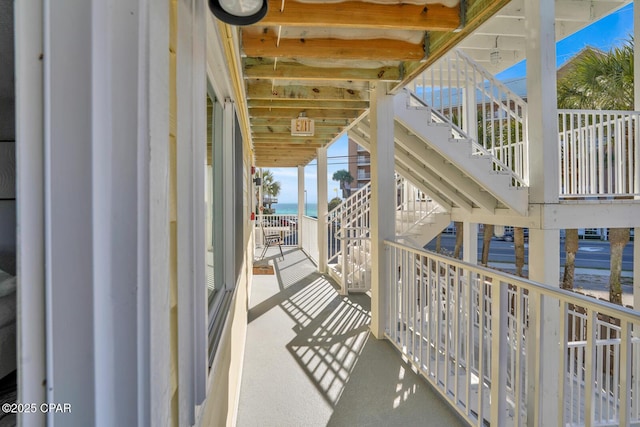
{"x":508,"y":236}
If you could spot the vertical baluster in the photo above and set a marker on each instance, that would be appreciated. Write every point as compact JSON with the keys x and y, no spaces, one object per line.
{"x":562,"y":368}
{"x":635,"y":142}
{"x":481,"y":343}
{"x":456,"y":321}
{"x":615,"y":378}
{"x":469,"y":346}
{"x":519,"y":313}
{"x":432,"y":309}
{"x":589,"y":368}
{"x":625,"y":374}
{"x":447,"y":325}
{"x":437,"y":322}
{"x":421,"y":309}
{"x":392,"y":257}
{"x":499,"y":315}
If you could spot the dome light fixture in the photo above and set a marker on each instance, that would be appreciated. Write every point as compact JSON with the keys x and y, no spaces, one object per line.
{"x":239,"y":12}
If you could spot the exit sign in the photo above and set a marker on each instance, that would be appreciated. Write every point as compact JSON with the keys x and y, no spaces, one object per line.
{"x":302,"y":126}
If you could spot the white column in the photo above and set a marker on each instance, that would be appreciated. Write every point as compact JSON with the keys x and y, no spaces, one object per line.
{"x":68,"y":219}
{"x":636,"y":268}
{"x":544,"y":267}
{"x":383,"y":201}
{"x":190,"y":170}
{"x":470,"y":242}
{"x":30,"y":200}
{"x":323,"y":203}
{"x":300,"y":203}
{"x":544,"y":245}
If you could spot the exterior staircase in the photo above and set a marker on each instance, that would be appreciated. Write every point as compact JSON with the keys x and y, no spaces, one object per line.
{"x":459,"y":137}
{"x":419,"y":219}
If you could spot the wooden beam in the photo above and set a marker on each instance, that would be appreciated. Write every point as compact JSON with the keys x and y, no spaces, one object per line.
{"x":477,"y":12}
{"x":355,"y":14}
{"x":308,"y":104}
{"x":267,"y":44}
{"x":265,"y":90}
{"x":262,"y":68}
{"x":292,"y":113}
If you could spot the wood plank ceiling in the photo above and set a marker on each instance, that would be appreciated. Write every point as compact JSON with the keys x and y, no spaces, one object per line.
{"x":319,"y":58}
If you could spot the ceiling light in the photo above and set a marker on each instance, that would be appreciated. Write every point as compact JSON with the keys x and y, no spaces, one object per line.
{"x":239,"y":12}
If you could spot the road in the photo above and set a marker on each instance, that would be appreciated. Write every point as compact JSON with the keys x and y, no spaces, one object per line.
{"x":591,"y":253}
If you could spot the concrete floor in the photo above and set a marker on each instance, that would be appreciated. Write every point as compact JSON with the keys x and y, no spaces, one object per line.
{"x":311,"y":361}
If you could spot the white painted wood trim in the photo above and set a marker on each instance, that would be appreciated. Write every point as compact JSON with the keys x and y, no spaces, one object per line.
{"x":542,"y":125}
{"x":68,"y":219}
{"x":323,"y":203}
{"x":30,"y":208}
{"x":470,"y":242}
{"x":301,"y":204}
{"x":191,"y":124}
{"x":383,"y":195}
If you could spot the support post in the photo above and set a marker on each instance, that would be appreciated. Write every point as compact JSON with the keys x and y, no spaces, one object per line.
{"x":300,"y":203}
{"x":544,"y":369}
{"x":383,"y":201}
{"x":30,"y":189}
{"x":544,"y":245}
{"x":470,"y":242}
{"x":323,"y":234}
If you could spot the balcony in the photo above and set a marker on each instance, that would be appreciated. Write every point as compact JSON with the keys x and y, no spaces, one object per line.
{"x":311,"y":360}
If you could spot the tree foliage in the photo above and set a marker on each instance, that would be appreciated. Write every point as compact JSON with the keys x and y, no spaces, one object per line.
{"x":599,"y":81}
{"x":343,"y":177}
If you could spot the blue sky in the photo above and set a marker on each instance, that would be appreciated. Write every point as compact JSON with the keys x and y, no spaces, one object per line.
{"x":609,"y":32}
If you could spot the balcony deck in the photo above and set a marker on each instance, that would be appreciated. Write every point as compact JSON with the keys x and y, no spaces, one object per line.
{"x":310,"y":359}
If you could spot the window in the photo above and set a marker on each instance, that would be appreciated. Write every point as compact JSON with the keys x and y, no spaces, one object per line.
{"x":226,"y":216}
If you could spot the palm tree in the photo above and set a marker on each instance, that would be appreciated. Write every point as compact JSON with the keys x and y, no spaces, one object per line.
{"x":270,"y":188}
{"x":486,"y":243}
{"x":459,"y":235}
{"x":571,"y":248}
{"x":518,"y":242}
{"x":344,"y":177}
{"x":600,"y":81}
{"x":618,"y":239}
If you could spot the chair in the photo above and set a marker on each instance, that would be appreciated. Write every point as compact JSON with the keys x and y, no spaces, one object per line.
{"x":270,"y":240}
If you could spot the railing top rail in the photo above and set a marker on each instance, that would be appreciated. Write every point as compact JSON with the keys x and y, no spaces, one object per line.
{"x":596,"y":112}
{"x":611,"y":309}
{"x":461,"y":134}
{"x":495,"y":82}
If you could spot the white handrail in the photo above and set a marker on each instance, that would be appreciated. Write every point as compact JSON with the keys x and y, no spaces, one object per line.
{"x":484,"y":110}
{"x":473,"y":333}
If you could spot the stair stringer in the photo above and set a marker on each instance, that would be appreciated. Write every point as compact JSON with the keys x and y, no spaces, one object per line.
{"x":460,"y":153}
{"x":425,"y":232}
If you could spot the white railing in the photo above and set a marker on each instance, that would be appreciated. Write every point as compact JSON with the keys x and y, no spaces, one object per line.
{"x":348,"y":239}
{"x":351,"y":213}
{"x":599,"y":153}
{"x":414,"y":207}
{"x":309,"y":237}
{"x":448,"y":318}
{"x":460,"y":91}
{"x":285,"y":225}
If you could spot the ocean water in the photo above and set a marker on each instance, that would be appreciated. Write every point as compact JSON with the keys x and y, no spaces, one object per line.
{"x":292,"y":209}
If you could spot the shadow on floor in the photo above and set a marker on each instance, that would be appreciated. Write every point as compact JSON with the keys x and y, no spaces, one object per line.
{"x":311,"y":360}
